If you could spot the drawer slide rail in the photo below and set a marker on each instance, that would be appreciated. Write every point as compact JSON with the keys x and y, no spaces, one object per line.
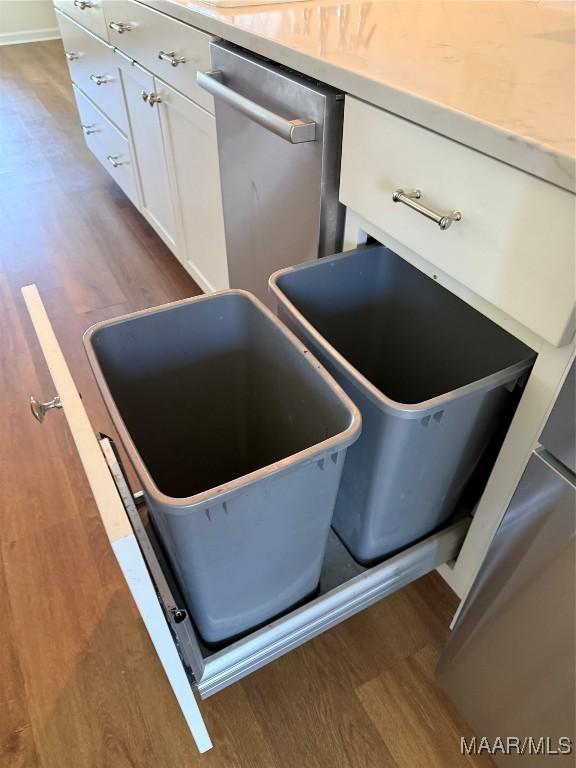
{"x":345,"y":589}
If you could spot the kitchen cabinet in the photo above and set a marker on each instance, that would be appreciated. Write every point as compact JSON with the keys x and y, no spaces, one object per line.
{"x":189,"y":134}
{"x":88,"y":13}
{"x":108,"y":144}
{"x":156,"y":203}
{"x":174,"y":145}
{"x":502,"y":255}
{"x":169,"y":138}
{"x":172,"y":50}
{"x":509,"y":255}
{"x":93,"y":67}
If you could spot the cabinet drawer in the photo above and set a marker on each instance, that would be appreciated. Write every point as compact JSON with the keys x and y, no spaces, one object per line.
{"x":514,"y":245}
{"x":345,"y":587}
{"x":109,"y":146}
{"x":146,"y":34}
{"x":89,"y":13}
{"x":93,"y":67}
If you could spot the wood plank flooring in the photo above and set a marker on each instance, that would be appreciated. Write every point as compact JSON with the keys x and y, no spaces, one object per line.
{"x":80,"y":686}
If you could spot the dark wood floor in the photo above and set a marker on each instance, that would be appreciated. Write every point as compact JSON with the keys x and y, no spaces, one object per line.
{"x":79,"y":682}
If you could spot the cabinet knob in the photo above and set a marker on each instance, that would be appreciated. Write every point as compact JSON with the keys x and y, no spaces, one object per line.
{"x":100,"y":79}
{"x":71,"y":55}
{"x":115,"y":161}
{"x":89,"y":129}
{"x":171,"y":58}
{"x":153,"y":98}
{"x":39,"y":410}
{"x":120,"y":27}
{"x":83,"y":4}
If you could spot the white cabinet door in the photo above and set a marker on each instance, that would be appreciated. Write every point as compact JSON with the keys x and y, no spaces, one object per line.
{"x":148,"y":150}
{"x":189,"y":133}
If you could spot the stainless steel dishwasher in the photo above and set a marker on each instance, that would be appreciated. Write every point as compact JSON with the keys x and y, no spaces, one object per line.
{"x":279,"y":140}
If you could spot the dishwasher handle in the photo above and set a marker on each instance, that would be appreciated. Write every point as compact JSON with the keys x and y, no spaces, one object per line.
{"x":295,"y":131}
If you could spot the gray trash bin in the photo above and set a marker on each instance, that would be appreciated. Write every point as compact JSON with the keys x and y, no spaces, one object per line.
{"x":238,"y":436}
{"x":432,"y":378}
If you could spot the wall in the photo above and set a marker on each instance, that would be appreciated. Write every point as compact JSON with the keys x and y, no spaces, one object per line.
{"x":24,"y":21}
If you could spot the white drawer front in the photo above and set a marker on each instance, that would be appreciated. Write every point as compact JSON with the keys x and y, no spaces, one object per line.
{"x":514,"y":245}
{"x":89,"y":13}
{"x":146,"y":34}
{"x":114,"y":517}
{"x":108,"y":145}
{"x":94,"y":68}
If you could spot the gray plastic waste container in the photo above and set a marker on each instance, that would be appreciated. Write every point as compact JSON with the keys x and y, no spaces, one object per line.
{"x":238,"y":436}
{"x":432,"y":378}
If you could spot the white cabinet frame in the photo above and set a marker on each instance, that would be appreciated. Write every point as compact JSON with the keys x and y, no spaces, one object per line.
{"x":543,"y":386}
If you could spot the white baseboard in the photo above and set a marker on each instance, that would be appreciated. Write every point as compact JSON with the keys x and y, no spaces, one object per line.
{"x":29,"y":36}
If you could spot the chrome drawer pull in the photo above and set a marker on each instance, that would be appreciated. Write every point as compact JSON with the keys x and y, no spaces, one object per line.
{"x":145,"y":95}
{"x":71,"y":55}
{"x":83,"y":4}
{"x":115,"y":161}
{"x":39,"y":410}
{"x":120,"y":27}
{"x":100,"y":79}
{"x":444,"y":220}
{"x":171,"y":58}
{"x":89,"y":129}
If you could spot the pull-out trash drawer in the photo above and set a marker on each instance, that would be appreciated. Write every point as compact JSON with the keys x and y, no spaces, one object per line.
{"x":345,"y":587}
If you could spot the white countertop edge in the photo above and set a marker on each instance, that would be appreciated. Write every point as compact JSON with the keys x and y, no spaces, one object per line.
{"x":513,"y":149}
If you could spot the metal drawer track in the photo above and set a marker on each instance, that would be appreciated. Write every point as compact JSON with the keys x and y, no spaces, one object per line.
{"x":345,"y":589}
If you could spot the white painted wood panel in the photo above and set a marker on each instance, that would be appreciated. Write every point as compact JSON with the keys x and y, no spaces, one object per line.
{"x":150,"y":33}
{"x":93,"y":68}
{"x":514,"y":246}
{"x":114,"y":518}
{"x":190,"y":143}
{"x":109,"y":146}
{"x":156,"y":202}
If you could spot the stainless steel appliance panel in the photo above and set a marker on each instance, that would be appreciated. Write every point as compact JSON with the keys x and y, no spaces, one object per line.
{"x":280,"y":198}
{"x":509,"y":664}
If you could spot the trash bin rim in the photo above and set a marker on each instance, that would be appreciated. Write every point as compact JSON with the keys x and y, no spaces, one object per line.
{"x":381,"y":400}
{"x":334,"y":444}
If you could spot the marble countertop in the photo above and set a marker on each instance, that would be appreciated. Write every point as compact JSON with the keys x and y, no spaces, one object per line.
{"x":496,"y":76}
